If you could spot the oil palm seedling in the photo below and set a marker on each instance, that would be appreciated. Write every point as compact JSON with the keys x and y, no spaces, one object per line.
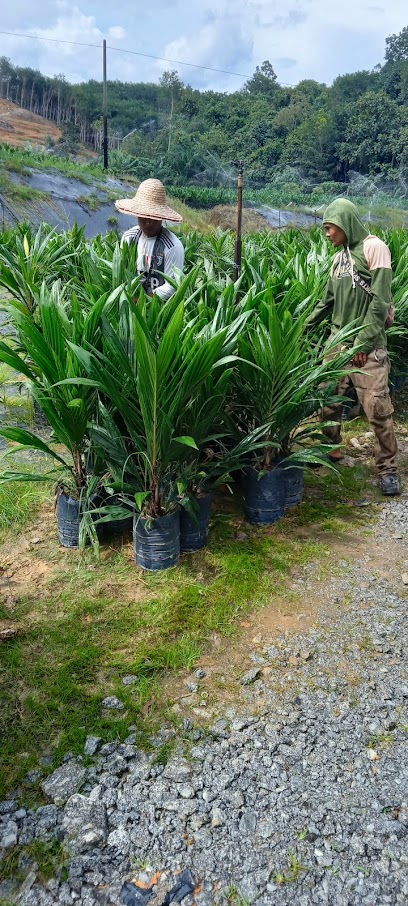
{"x":397,"y":335}
{"x":153,"y":386}
{"x":282,"y":382}
{"x":32,"y":259}
{"x":44,"y":357}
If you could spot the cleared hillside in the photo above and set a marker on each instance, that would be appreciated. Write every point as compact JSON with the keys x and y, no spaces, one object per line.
{"x":18,"y":126}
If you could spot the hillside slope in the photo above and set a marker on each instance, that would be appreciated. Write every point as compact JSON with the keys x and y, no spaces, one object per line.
{"x":18,"y":126}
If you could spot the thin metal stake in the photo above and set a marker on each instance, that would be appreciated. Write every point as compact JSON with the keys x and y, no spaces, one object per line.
{"x":105,"y":112}
{"x":238,"y":241}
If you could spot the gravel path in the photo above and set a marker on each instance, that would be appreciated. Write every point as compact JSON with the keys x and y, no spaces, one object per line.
{"x":299,"y":795}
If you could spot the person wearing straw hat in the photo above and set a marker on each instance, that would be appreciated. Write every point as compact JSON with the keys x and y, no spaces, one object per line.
{"x":159,"y":252}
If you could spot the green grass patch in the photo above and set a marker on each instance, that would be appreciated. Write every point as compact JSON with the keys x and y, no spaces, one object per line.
{"x":14,"y":165}
{"x":91,"y":202}
{"x":18,"y":407}
{"x":233,"y":897}
{"x":19,"y":191}
{"x":19,"y":504}
{"x":43,"y":160}
{"x":95,"y":621}
{"x":292,"y":873}
{"x":49,"y":856}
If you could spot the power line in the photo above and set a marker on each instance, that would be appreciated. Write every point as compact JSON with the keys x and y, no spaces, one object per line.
{"x":135,"y":53}
{"x":180,"y":62}
{"x":15,"y":34}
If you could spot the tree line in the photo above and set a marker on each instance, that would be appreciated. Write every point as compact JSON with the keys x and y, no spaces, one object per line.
{"x":187,"y":136}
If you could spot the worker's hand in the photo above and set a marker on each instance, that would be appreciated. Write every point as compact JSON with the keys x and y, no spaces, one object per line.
{"x":359,"y":360}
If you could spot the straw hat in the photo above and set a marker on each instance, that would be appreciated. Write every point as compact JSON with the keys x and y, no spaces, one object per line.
{"x":149,"y":201}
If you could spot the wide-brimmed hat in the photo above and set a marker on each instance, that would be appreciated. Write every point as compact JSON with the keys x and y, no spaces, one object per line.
{"x":149,"y":201}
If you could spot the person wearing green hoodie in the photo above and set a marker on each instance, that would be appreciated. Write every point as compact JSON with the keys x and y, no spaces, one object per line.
{"x":359,"y":291}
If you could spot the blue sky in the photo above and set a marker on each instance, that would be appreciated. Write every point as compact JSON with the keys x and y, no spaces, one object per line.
{"x":315,"y":39}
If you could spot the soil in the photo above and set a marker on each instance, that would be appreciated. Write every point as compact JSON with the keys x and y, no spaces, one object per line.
{"x":225,"y":217}
{"x":18,"y":126}
{"x":33,"y":561}
{"x":294,"y":612}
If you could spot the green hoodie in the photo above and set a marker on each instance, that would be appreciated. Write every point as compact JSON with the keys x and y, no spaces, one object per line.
{"x":344,"y":301}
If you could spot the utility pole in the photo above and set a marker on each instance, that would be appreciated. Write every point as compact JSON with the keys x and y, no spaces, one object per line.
{"x":238,"y":242}
{"x":105,"y":112}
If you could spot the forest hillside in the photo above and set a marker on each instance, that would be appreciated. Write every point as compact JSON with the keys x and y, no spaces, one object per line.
{"x":355,"y":130}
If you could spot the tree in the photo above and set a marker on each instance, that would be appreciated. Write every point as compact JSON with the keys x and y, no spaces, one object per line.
{"x":397,"y":47}
{"x":311,"y":144}
{"x":395,"y":70}
{"x":7,"y":76}
{"x":372,"y":133}
{"x":263,"y":81}
{"x":349,"y":87}
{"x":171,"y":82}
{"x":70,"y":138}
{"x":309,"y":92}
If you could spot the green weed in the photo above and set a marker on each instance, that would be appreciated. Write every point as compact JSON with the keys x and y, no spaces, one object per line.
{"x":94,"y":622}
{"x":87,"y":173}
{"x":26,"y":193}
{"x":233,"y":897}
{"x":49,"y":856}
{"x":19,"y":504}
{"x":380,"y":741}
{"x":91,"y":202}
{"x":165,"y":752}
{"x":292,"y":873}
{"x":363,"y":870}
{"x":10,"y":865}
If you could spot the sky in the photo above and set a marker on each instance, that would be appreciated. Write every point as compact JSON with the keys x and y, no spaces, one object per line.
{"x":303,"y":39}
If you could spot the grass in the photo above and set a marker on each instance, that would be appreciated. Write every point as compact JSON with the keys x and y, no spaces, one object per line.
{"x":18,"y":407}
{"x":18,"y":157}
{"x":380,"y":741}
{"x":92,"y":622}
{"x":91,"y":202}
{"x":234,"y":897}
{"x":83,"y":624}
{"x":23,"y":193}
{"x":49,"y":856}
{"x":292,"y":873}
{"x":19,"y":503}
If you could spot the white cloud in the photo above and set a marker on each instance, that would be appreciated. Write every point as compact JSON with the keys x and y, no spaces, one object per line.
{"x":116,"y":32}
{"x":301,"y":38}
{"x":218,"y":45}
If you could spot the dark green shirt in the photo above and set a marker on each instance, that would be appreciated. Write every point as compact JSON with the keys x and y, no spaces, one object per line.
{"x":344,"y":301}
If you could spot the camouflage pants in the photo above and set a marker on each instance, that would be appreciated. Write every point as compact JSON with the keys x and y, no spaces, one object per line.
{"x":371,"y":384}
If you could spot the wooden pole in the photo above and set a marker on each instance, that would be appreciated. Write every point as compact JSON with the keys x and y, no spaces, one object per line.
{"x":238,"y":241}
{"x":105,"y":112}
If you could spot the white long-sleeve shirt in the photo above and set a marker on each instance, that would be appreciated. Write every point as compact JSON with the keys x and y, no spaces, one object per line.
{"x":173,"y":255}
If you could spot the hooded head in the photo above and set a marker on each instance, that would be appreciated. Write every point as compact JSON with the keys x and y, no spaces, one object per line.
{"x":344,"y":214}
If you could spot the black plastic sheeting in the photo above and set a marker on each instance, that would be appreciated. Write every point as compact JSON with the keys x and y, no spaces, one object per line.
{"x":278,"y":218}
{"x":132,"y":895}
{"x":68,"y":203}
{"x":293,"y":479}
{"x":157,"y":542}
{"x":194,"y":532}
{"x":264,"y":497}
